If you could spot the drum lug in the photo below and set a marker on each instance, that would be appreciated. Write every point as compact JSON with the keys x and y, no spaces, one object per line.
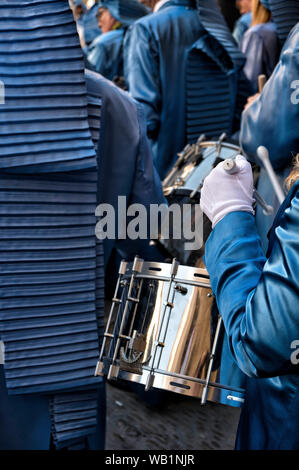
{"x":149,"y":382}
{"x":182,"y":290}
{"x":113,"y":372}
{"x":123,"y":267}
{"x":137,"y":264}
{"x":169,"y":304}
{"x":99,"y":369}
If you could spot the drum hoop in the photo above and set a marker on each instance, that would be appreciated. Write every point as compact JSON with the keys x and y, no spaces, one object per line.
{"x":213,"y":143}
{"x":200,"y":283}
{"x":170,"y":189}
{"x":194,"y":379}
{"x":183,"y":276}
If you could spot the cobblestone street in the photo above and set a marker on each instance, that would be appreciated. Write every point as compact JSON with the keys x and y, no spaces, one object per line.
{"x":174,"y":423}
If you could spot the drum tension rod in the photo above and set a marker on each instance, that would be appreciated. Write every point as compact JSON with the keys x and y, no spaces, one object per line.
{"x":100,"y":367}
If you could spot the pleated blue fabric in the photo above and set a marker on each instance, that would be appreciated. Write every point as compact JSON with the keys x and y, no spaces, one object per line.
{"x":285,"y":14}
{"x":51,"y":264}
{"x":73,"y":416}
{"x":44,"y":123}
{"x":214,"y":69}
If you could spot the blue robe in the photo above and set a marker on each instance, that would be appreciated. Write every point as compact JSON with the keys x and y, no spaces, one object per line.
{"x":241,"y":26}
{"x":105,"y":56}
{"x":285,"y":14}
{"x":261,"y":46}
{"x":125,"y":168}
{"x":164,"y":48}
{"x":258,"y":301}
{"x":155,"y":74}
{"x":51,"y":269}
{"x":272,"y":121}
{"x":90,"y":24}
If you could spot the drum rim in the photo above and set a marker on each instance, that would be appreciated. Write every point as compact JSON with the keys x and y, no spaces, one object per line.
{"x":185,"y":274}
{"x":168,"y":189}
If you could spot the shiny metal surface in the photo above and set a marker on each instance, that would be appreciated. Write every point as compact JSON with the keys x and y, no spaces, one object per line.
{"x":166,"y":340}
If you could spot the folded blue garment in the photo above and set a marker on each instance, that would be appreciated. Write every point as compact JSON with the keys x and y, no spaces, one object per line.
{"x":213,"y":78}
{"x":285,"y":14}
{"x":51,"y":277}
{"x":43,"y":121}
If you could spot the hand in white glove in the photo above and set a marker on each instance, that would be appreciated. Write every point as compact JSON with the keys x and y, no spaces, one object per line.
{"x":223,"y":193}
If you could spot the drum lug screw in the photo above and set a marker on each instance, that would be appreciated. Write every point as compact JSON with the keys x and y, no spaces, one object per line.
{"x":99,"y":369}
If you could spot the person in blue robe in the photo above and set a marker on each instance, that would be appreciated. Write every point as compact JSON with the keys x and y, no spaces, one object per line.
{"x":173,"y":57}
{"x":105,"y":54}
{"x":272,"y":121}
{"x":51,"y":264}
{"x":125,"y":161}
{"x":260,"y":44}
{"x":258,"y":300}
{"x":242,"y":25}
{"x":90,"y":24}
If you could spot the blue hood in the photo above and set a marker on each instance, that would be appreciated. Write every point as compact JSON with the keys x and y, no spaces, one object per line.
{"x":125,"y":11}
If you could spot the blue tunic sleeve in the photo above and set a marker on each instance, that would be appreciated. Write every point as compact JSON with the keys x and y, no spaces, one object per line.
{"x":97,"y":56}
{"x":257,"y":299}
{"x":142,"y":74}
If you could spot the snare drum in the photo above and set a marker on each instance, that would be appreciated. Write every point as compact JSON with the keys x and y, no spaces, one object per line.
{"x":182,"y":186}
{"x":164,"y":331}
{"x":196,"y":162}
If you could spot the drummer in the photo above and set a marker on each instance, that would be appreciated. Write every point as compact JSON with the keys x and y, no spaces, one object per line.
{"x":159,"y":53}
{"x":258,"y":301}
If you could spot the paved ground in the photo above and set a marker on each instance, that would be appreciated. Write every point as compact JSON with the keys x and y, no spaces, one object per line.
{"x":170,"y":422}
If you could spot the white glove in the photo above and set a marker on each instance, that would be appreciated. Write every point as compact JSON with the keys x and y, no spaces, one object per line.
{"x":223,"y":193}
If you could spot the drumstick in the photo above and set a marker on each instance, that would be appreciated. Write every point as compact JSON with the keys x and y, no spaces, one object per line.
{"x":232,"y":168}
{"x":261,"y":82}
{"x":263,"y":155}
